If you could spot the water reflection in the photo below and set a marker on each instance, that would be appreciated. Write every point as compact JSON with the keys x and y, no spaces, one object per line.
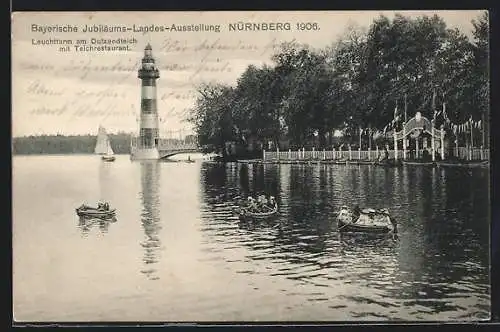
{"x":150,"y":216}
{"x":86,"y":224}
{"x":105,"y":181}
{"x":439,"y":267}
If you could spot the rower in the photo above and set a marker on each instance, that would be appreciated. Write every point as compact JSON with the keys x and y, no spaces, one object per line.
{"x":356,"y":212}
{"x":252,"y":206}
{"x":271,"y":202}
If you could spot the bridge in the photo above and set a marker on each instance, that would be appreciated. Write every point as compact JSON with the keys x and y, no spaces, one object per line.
{"x":167,"y":148}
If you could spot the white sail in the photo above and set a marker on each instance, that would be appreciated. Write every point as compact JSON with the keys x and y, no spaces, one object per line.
{"x":109,"y":149}
{"x":103,"y":145}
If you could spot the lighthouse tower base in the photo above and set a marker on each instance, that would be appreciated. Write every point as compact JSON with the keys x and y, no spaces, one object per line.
{"x":143,"y":153}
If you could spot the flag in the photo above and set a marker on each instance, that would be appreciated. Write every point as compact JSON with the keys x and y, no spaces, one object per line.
{"x":396,"y":111}
{"x":434,"y":104}
{"x":406,"y":109}
{"x":479,"y":124}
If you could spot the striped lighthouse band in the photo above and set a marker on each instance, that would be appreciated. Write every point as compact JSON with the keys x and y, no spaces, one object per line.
{"x":149,"y":106}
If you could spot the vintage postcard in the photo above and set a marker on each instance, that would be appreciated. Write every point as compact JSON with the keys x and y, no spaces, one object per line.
{"x":298,"y":166}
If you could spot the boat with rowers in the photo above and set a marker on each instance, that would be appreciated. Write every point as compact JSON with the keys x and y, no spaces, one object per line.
{"x":367,"y":220}
{"x":260,"y":208}
{"x":102,"y":211}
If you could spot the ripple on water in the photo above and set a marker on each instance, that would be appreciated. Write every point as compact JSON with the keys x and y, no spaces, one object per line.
{"x":207,"y":264}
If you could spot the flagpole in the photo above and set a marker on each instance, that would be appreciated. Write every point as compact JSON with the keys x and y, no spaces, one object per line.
{"x":471,"y":140}
{"x":369,"y":137}
{"x":394,"y":132}
{"x":406,"y":108}
{"x":360,"y":131}
{"x":359,"y":150}
{"x":482,"y":130}
{"x":433,"y":142}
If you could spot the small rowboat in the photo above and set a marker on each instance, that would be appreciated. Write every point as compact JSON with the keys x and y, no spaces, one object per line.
{"x":108,"y":158}
{"x":388,"y":163}
{"x":470,"y":164}
{"x":244,"y":213}
{"x":369,"y":221}
{"x":88,"y":211}
{"x":418,"y":163}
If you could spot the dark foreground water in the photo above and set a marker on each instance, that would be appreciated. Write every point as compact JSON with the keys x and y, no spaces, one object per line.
{"x":176,"y":252}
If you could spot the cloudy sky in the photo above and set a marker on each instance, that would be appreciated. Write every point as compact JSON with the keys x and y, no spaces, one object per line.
{"x":75,"y":92}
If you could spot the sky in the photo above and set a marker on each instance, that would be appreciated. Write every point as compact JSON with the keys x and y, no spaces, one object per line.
{"x":74,"y":92}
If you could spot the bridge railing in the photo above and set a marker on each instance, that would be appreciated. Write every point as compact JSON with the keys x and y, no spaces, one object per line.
{"x":169,"y":145}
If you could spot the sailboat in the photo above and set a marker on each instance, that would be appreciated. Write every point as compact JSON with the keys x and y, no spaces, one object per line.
{"x":103,"y":146}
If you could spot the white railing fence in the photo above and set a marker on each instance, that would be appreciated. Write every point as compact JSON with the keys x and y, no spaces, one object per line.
{"x":302,"y":154}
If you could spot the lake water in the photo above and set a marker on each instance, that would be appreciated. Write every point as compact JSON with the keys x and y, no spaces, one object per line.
{"x":177,"y":253}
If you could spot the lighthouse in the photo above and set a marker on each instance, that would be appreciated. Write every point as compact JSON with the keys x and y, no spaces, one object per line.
{"x":145,"y":146}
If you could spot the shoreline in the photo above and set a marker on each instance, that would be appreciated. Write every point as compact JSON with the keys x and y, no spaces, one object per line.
{"x":260,"y":161}
{"x":399,"y":163}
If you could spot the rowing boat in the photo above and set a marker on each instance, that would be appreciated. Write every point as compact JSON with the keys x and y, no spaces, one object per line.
{"x":388,"y":163}
{"x":88,"y":211}
{"x":244,"y":213}
{"x":418,"y":163}
{"x":369,"y":221}
{"x":484,"y":163}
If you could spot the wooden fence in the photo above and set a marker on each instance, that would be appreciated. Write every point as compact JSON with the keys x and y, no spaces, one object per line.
{"x":461,"y":153}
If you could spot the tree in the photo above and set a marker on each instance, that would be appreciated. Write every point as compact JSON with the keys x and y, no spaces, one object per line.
{"x":481,"y":72}
{"x":364,"y":80}
{"x":213,"y":119}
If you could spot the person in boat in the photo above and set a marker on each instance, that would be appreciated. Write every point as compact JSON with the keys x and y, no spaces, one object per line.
{"x":252,"y":205}
{"x":262,"y":203}
{"x":356,"y":212}
{"x":272,"y":203}
{"x":100,"y":206}
{"x":106,"y":206}
{"x":394,"y":223}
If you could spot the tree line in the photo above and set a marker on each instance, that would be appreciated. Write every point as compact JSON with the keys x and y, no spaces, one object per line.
{"x":60,"y":144}
{"x":363,"y":85}
{"x":79,"y":144}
